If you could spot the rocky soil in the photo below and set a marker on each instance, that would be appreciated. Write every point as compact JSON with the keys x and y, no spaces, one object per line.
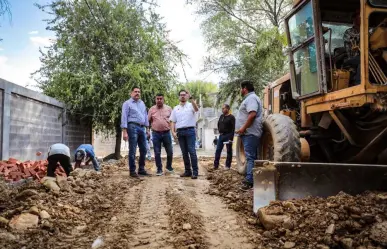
{"x":111,"y":210}
{"x":341,"y":221}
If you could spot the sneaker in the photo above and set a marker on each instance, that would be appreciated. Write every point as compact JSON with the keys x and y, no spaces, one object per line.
{"x":149,"y":158}
{"x":170,"y":171}
{"x":144,"y":173}
{"x":186,"y":174}
{"x":133,"y":174}
{"x":227,"y":168}
{"x":246,"y":186}
{"x":159,"y":173}
{"x":194,"y":177}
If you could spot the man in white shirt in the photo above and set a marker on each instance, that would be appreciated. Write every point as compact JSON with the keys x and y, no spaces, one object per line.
{"x":183,"y":123}
{"x":58,"y":153}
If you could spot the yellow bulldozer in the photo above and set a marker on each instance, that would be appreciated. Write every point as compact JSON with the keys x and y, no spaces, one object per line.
{"x":325,"y":127}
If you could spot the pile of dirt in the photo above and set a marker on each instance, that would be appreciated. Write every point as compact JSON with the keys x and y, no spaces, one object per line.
{"x":341,"y":221}
{"x":32,"y":216}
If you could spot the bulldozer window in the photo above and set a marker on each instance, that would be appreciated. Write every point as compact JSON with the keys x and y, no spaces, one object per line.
{"x":377,"y":55}
{"x":301,"y":25}
{"x":337,"y":40}
{"x":301,"y":34}
{"x":378,"y":3}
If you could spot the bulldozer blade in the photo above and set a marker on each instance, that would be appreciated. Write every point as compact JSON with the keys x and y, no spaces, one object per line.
{"x":286,"y":180}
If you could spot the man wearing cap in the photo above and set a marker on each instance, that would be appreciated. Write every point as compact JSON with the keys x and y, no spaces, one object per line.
{"x":134,"y":118}
{"x":183,"y":123}
{"x":85,"y":152}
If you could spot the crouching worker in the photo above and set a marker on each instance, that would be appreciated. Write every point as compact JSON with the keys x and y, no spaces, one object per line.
{"x":58,"y":153}
{"x":85,"y":152}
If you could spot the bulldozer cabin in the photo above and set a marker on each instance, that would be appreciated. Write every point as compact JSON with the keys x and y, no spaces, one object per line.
{"x":325,"y":124}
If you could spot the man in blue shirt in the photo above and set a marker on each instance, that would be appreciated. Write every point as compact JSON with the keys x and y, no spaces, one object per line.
{"x":134,"y":118}
{"x":86,"y":152}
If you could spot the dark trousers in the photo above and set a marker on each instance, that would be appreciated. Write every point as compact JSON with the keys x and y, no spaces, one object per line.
{"x":219,"y":147}
{"x":164,"y":138}
{"x":137,"y":136}
{"x":187,"y":139}
{"x":53,"y":164}
{"x":355,"y":63}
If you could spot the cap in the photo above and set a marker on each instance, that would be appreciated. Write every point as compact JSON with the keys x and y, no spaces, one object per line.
{"x":80,"y":155}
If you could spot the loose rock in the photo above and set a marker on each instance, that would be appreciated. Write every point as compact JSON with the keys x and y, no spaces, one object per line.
{"x":347,"y":243}
{"x":379,"y":233}
{"x":34,"y":210}
{"x":330,"y":229}
{"x":44,"y":214}
{"x":26,"y":193}
{"x":5,"y":236}
{"x":51,"y":185}
{"x":24,"y":221}
{"x":3,"y":222}
{"x":270,"y":221}
{"x":289,"y":244}
{"x":187,"y":226}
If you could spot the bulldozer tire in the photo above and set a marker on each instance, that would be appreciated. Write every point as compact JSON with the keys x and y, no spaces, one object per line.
{"x":280,"y":140}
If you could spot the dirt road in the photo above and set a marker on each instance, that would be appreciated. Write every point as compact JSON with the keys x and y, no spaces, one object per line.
{"x":171,"y":212}
{"x":156,"y":212}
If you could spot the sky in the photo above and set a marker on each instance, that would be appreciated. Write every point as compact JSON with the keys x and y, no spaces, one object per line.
{"x":26,"y":32}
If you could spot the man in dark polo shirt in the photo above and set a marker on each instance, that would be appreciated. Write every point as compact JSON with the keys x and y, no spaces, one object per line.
{"x":226,"y":128}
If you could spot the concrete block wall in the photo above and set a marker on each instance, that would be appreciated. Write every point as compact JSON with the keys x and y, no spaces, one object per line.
{"x":31,"y":122}
{"x":77,"y":131}
{"x":34,"y":126}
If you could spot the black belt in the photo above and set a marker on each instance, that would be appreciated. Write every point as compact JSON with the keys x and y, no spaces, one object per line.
{"x":161,"y":131}
{"x":185,"y":128}
{"x":136,"y":124}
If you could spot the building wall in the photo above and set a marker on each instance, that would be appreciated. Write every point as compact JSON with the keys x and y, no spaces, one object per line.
{"x":77,"y":131}
{"x":34,"y":126}
{"x":31,"y":122}
{"x":104,"y":144}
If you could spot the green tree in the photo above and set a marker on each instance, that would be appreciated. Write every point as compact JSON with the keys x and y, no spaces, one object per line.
{"x":207,"y":91}
{"x":5,"y":9}
{"x":102,"y":49}
{"x":244,"y":40}
{"x":198,"y":87}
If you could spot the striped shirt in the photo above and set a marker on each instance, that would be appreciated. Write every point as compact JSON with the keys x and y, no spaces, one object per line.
{"x":134,"y":111}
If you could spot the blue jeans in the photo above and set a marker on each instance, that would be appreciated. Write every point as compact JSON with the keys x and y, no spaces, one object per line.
{"x":164,"y":138}
{"x":250,"y":144}
{"x":95,"y":163}
{"x":187,"y":140}
{"x":136,"y":135}
{"x":219,"y":147}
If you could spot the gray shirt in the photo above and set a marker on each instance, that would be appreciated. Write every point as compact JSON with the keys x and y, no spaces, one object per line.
{"x":251,"y":102}
{"x":56,"y":149}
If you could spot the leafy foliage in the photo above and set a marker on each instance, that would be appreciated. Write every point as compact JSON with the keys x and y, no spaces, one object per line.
{"x":245,"y":41}
{"x":207,"y":90}
{"x":5,"y":9}
{"x":102,"y":49}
